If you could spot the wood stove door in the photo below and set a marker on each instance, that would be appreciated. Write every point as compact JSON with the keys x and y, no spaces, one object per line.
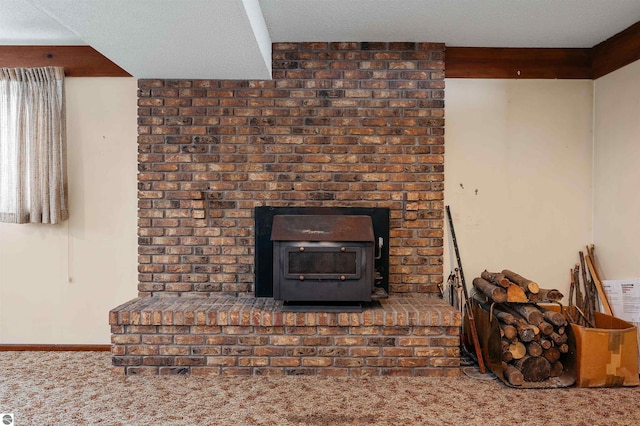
{"x":321,"y":271}
{"x":322,"y":262}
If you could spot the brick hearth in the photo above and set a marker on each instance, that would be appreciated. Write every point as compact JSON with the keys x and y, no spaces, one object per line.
{"x":410,"y":335}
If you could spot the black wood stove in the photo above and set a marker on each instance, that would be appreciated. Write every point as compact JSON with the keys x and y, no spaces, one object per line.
{"x":322,"y":263}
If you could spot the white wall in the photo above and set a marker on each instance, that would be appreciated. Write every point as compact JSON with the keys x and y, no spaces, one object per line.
{"x":518,"y":176}
{"x":617,"y":172}
{"x":57,"y":283}
{"x":524,"y":145}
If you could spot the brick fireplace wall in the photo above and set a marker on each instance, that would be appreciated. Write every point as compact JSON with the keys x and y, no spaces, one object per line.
{"x":340,"y":124}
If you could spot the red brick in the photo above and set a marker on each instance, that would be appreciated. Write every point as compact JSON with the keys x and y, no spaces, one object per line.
{"x":189,"y":340}
{"x":225,"y":361}
{"x":285,"y":362}
{"x":142,"y":350}
{"x":349,"y":362}
{"x":174,"y":350}
{"x":369,"y":351}
{"x":316,"y":362}
{"x":444,"y":341}
{"x":253,"y":361}
{"x":402,"y":372}
{"x":350,"y":341}
{"x":381,"y":362}
{"x":444,"y":362}
{"x":189,"y":360}
{"x":205,"y":371}
{"x":397,"y":352}
{"x":269,"y":351}
{"x":142,"y":371}
{"x":268,"y":371}
{"x":285,"y":340}
{"x":241,"y":371}
{"x":125,"y":339}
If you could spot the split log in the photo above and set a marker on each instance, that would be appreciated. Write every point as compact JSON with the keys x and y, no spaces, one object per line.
{"x":563,"y":348}
{"x":493,"y":292}
{"x":559,"y":339}
{"x":507,"y":356}
{"x":534,"y":349}
{"x":520,"y":322}
{"x":529,"y":312}
{"x":552,"y":354}
{"x":536,"y":330}
{"x":545,"y":328}
{"x":545,"y":343}
{"x":534,"y":368}
{"x":495,"y":278}
{"x":505,"y":344}
{"x":556,"y":369}
{"x":517,"y":349}
{"x":534,"y":298}
{"x":555,"y":318}
{"x":505,"y":317}
{"x":526,"y":332}
{"x":552,"y":295}
{"x":513,"y":376}
{"x":516,"y":295}
{"x":523,"y":282}
{"x":546,"y":295}
{"x":507,"y":331}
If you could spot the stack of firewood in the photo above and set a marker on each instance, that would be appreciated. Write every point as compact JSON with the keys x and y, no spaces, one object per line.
{"x":513,"y":288}
{"x":533,"y":338}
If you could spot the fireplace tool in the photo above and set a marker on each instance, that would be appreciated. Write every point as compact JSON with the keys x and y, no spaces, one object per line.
{"x":467,"y":301}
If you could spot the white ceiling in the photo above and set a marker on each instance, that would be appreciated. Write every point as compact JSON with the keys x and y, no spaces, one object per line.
{"x":231,"y":39}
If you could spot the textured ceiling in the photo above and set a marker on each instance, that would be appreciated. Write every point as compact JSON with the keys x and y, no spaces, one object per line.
{"x":22,"y":23}
{"x":486,"y":23}
{"x":232,"y":38}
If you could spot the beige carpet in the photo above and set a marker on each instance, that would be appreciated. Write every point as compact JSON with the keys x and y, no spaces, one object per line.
{"x":78,"y":388}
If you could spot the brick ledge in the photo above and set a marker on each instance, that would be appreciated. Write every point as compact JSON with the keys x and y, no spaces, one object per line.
{"x":397,"y":310}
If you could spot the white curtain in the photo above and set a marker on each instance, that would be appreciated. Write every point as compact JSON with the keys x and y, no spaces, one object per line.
{"x":33,"y":175}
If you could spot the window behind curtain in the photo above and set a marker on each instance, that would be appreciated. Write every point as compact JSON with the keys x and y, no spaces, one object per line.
{"x":33,"y":175}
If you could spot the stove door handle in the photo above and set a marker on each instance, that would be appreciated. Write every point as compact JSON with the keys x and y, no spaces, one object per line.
{"x":379,"y":248}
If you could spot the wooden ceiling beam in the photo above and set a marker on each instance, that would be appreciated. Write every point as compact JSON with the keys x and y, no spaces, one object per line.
{"x":78,"y":61}
{"x":591,"y":63}
{"x":517,"y":63}
{"x":616,"y":52}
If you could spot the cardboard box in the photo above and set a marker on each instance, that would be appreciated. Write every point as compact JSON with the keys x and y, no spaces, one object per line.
{"x":606,"y":356}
